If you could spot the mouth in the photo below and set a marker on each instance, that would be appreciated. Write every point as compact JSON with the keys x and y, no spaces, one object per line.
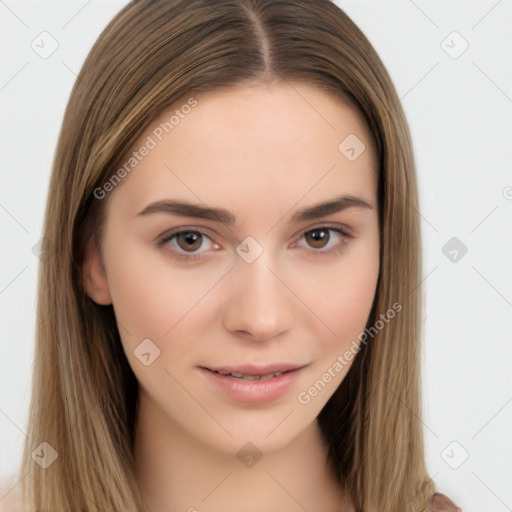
{"x":255,"y":372}
{"x":247,"y":376}
{"x":251,"y":383}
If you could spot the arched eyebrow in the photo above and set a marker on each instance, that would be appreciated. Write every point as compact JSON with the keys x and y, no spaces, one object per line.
{"x":316,"y":211}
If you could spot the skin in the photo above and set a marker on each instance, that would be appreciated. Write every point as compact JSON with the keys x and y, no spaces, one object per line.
{"x":262,"y":152}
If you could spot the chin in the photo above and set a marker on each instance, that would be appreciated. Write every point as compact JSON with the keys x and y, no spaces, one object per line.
{"x":261,"y":430}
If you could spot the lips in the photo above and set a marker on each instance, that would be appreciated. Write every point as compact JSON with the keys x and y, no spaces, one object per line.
{"x":255,"y":372}
{"x":247,"y":376}
{"x":251,"y":383}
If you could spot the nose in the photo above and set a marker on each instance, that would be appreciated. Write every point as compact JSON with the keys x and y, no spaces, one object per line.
{"x":260,"y":304}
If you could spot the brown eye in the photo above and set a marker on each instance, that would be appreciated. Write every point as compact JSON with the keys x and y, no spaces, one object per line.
{"x":189,"y":240}
{"x":187,"y":244}
{"x":317,"y":238}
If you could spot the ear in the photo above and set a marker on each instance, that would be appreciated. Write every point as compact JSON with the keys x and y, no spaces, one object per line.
{"x":95,"y":277}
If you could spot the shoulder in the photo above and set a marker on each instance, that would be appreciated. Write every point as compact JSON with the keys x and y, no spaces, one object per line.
{"x":439,"y":502}
{"x":10,"y":495}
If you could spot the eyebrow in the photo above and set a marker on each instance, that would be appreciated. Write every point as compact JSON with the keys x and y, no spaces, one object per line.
{"x":187,"y":209}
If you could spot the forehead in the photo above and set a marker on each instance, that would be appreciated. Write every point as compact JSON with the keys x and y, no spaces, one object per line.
{"x":281,"y":141}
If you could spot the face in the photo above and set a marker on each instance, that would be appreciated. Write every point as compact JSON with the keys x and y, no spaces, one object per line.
{"x":251,"y":279}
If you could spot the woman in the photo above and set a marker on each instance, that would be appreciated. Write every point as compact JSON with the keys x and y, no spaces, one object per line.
{"x":228,"y":316}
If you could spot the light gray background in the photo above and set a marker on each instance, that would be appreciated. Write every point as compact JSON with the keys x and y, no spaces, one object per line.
{"x":460,"y":113}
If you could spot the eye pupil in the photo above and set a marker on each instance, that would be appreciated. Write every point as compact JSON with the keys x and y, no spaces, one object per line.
{"x":319,"y":237}
{"x":192,"y":240}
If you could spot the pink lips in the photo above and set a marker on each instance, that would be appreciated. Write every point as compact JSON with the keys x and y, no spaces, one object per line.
{"x":251,"y":369}
{"x":257,"y":390}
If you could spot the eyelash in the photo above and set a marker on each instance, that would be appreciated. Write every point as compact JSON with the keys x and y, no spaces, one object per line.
{"x":347,"y":237}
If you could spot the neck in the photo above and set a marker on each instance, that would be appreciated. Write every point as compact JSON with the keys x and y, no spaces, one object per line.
{"x":178,"y":472}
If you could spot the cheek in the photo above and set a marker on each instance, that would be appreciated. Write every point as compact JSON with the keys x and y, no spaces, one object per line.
{"x":351,"y":302}
{"x":344,"y":308}
{"x":153,"y":301}
{"x":341,"y":295}
{"x":153,"y":297}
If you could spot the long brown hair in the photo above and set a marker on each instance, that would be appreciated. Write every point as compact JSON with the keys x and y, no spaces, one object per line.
{"x":84,"y":396}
